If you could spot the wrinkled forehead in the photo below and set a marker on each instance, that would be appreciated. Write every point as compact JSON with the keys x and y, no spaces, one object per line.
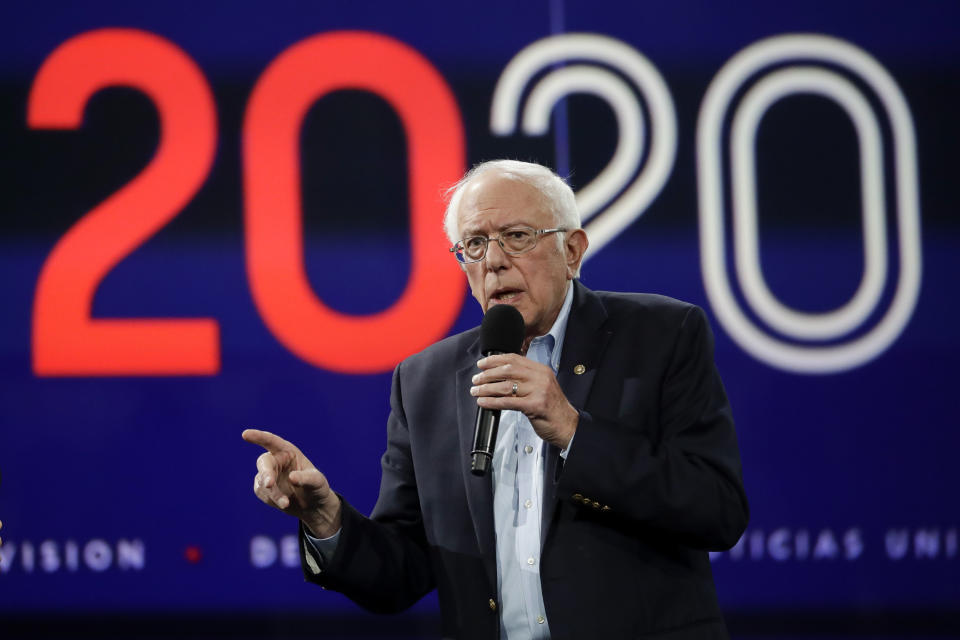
{"x":495,"y":202}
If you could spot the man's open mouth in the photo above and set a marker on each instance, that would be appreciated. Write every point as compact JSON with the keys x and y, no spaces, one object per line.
{"x":504,"y":295}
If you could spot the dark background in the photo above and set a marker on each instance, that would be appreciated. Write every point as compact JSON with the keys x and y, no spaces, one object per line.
{"x":852,"y":476}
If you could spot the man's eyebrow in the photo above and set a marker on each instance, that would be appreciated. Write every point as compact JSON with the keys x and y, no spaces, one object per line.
{"x":477,"y":232}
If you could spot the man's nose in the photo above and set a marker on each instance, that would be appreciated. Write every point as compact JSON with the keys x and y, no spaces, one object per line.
{"x":496,"y":257}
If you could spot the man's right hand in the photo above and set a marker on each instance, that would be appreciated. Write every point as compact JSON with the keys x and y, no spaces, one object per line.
{"x":287,"y":480}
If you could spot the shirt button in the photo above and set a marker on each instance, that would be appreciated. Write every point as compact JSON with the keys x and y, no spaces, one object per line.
{"x":528,"y":504}
{"x":541,"y":620}
{"x":531,"y":561}
{"x":528,"y":449}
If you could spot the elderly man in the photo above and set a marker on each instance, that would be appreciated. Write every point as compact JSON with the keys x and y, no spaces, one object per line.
{"x":615,"y":471}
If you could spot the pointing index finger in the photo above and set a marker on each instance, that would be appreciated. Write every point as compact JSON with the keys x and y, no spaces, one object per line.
{"x":272,"y":443}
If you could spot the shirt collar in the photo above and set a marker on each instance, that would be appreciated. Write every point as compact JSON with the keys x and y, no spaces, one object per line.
{"x":554,"y":337}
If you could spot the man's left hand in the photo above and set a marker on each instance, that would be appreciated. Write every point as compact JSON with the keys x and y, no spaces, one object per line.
{"x":538,"y":395}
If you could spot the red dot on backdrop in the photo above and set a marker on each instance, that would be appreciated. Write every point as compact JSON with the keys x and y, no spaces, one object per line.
{"x":193,"y":554}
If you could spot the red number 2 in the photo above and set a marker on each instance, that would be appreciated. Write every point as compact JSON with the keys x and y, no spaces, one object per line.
{"x":67,"y":341}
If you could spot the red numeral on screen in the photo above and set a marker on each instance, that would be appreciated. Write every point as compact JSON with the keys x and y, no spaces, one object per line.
{"x":275,"y":262}
{"x":67,"y":341}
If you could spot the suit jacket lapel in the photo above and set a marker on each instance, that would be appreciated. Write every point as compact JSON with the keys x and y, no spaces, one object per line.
{"x":583,"y":344}
{"x":479,"y":489}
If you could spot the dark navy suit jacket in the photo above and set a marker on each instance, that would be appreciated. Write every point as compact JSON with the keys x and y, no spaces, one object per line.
{"x":651,"y":483}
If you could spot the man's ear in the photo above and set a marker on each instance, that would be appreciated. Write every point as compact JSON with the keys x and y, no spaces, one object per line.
{"x":575,"y":244}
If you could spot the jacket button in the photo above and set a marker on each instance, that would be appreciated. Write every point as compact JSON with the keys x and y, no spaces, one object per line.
{"x":605,"y":508}
{"x":578,"y":497}
{"x":493,"y":605}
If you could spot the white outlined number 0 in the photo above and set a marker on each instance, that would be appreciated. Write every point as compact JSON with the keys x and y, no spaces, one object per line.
{"x":833,"y":325}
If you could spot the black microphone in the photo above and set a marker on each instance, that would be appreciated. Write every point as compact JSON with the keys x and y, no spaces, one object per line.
{"x":500,"y":332}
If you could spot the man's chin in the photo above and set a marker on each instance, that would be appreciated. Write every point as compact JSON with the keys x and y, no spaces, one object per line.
{"x":513,"y":303}
{"x":516,"y":304}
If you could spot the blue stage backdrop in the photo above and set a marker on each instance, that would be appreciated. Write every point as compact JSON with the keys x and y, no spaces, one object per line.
{"x":223,"y":215}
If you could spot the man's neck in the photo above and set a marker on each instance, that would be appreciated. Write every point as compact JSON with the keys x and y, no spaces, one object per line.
{"x":553,"y":321}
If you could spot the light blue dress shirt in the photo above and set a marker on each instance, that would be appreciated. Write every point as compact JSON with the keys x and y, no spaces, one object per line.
{"x":517,"y":477}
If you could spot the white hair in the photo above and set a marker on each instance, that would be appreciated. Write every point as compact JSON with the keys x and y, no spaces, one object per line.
{"x":556,"y":194}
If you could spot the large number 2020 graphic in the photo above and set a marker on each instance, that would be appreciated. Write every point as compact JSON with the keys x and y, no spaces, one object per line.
{"x":68,"y":341}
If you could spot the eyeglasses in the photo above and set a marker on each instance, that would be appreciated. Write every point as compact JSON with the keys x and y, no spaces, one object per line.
{"x":514,"y":240}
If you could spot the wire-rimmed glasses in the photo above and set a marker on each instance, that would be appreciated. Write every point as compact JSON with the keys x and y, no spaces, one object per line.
{"x":513,"y":240}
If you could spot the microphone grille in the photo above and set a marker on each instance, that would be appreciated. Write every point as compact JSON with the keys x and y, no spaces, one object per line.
{"x":501,"y":330}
